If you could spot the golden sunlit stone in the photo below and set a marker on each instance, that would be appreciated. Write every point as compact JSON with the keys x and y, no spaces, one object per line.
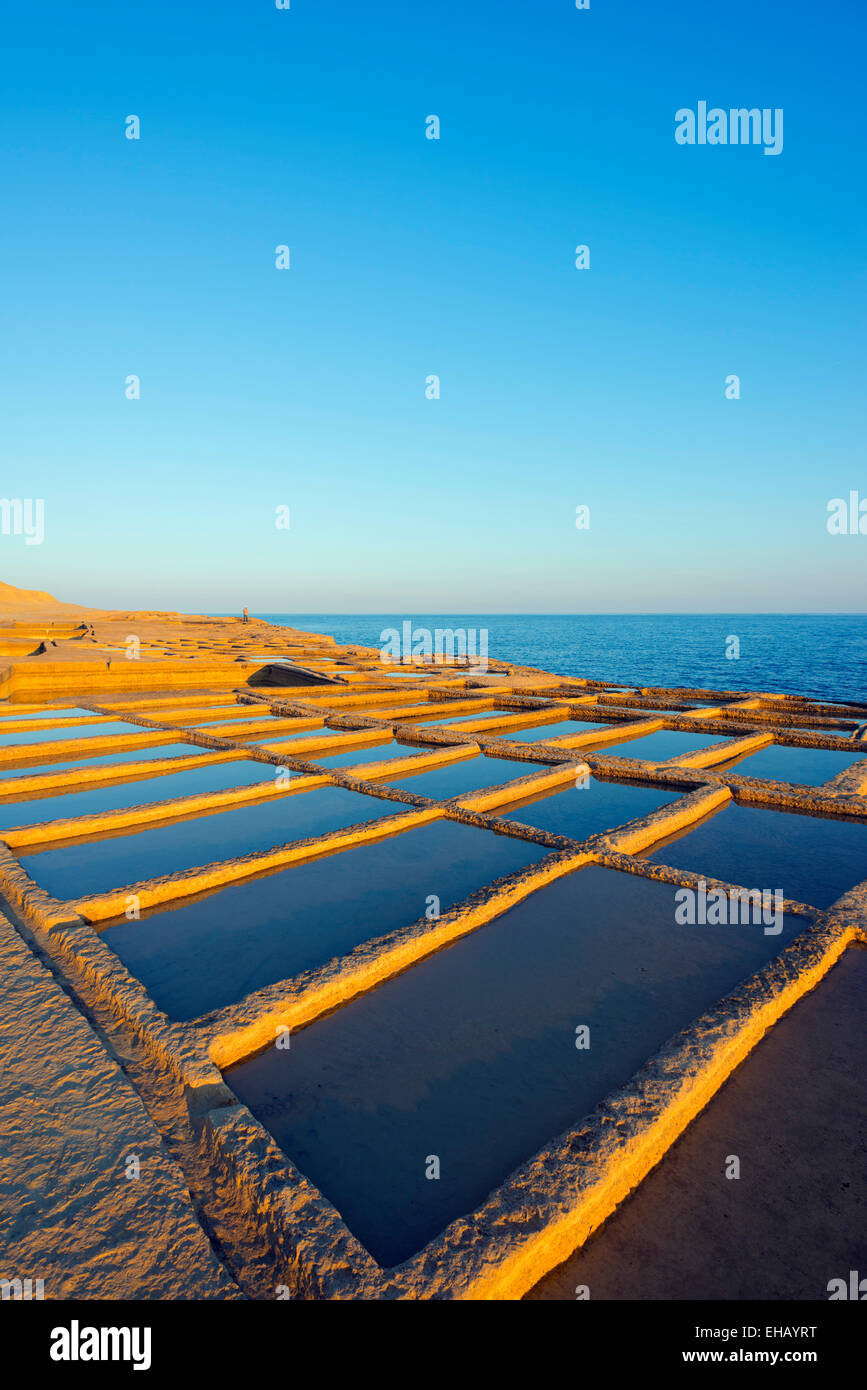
{"x":191,"y":679}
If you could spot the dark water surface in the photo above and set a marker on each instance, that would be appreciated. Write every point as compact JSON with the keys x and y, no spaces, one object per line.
{"x":470,"y":1056}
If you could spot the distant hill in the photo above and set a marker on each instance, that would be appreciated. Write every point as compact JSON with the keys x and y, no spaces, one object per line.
{"x":24,"y":603}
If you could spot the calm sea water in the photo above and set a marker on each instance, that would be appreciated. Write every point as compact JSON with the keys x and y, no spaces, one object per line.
{"x":824,"y":656}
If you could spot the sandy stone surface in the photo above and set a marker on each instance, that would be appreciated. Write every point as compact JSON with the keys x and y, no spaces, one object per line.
{"x":69,"y":1121}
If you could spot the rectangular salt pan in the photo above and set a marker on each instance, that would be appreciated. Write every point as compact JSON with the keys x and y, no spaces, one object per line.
{"x":109,"y":729}
{"x":812,"y":859}
{"x":76,"y":712}
{"x":462,"y":777}
{"x":61,"y":803}
{"x":588,"y":807}
{"x":541,"y":733}
{"x":471,"y":1056}
{"x":665,"y":743}
{"x":209,"y":953}
{"x":126,"y":755}
{"x":805,"y":766}
{"x":114,"y":861}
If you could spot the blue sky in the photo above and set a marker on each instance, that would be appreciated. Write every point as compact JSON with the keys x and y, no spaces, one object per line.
{"x":306,"y":388}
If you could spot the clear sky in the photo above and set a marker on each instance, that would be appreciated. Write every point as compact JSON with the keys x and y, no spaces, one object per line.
{"x":305,"y":388}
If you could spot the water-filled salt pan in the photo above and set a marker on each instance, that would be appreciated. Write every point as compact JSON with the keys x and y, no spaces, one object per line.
{"x":470,"y":1058}
{"x":205,"y":954}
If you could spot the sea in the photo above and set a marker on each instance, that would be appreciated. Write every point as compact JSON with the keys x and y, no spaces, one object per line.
{"x":820,"y":655}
